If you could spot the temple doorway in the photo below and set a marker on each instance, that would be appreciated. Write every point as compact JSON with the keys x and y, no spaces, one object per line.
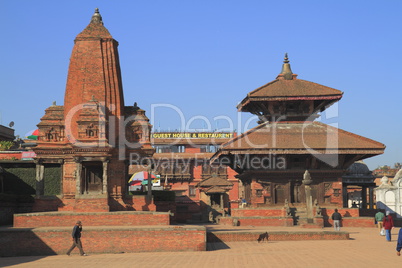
{"x":295,"y":192}
{"x":92,"y":174}
{"x":215,"y":201}
{"x":279,"y":194}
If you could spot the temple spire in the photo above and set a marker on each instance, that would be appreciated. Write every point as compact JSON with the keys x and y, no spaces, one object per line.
{"x":286,"y":70}
{"x":96,"y":17}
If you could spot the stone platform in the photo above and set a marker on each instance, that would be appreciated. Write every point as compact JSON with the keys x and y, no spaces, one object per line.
{"x":105,"y":239}
{"x":246,"y":235}
{"x":116,"y":218}
{"x":129,"y":239}
{"x":49,"y":233}
{"x":358,"y":251}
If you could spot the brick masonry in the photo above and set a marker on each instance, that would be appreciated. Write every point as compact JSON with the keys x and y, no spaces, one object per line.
{"x":257,"y":221}
{"x":275,"y":236}
{"x":125,"y":239}
{"x":120,"y":218}
{"x":57,"y":240}
{"x":251,"y":212}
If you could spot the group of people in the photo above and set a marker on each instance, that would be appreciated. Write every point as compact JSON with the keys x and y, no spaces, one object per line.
{"x":385,"y":225}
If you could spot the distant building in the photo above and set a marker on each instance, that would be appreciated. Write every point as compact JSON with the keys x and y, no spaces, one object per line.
{"x":387,"y":171}
{"x":203,"y":190}
{"x":6,"y":133}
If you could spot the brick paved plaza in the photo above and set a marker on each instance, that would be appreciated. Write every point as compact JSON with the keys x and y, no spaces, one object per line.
{"x":365,"y":249}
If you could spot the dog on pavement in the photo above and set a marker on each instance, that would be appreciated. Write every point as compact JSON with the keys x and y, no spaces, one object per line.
{"x":262,"y":237}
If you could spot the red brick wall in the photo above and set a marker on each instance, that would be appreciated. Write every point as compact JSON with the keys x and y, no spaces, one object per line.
{"x":257,"y":221}
{"x":276,"y":236}
{"x":353,"y":222}
{"x":25,"y":242}
{"x":129,"y":203}
{"x":91,"y":205}
{"x":46,"y":204}
{"x":51,"y":219}
{"x":192,"y":150}
{"x":345,"y":212}
{"x":247,"y":212}
{"x":9,"y":156}
{"x":265,"y":221}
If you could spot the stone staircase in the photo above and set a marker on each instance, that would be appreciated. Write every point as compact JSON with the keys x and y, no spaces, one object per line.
{"x":299,"y":215}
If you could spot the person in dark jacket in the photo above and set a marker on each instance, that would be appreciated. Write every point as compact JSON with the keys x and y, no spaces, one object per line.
{"x":388,"y":224}
{"x":399,"y":244}
{"x":77,"y":239}
{"x":337,"y":217}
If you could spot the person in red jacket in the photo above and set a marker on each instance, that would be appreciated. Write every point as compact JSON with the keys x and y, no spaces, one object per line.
{"x":388,"y":224}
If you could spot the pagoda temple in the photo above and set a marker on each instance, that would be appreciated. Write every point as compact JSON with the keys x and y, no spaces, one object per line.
{"x":289,"y":151}
{"x":93,"y":133}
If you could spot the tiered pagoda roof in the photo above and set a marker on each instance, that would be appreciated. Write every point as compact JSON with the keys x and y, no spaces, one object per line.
{"x":287,"y":108}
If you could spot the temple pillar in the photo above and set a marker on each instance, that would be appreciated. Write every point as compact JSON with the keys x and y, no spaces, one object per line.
{"x":78,"y":171}
{"x":364,"y":197}
{"x":221,"y":202}
{"x":149,"y":193}
{"x":371,"y":197}
{"x":345,"y":195}
{"x":40,"y":184}
{"x":309,"y":199}
{"x":104,"y":176}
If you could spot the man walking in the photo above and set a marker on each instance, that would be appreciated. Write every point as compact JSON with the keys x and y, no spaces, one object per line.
{"x":77,"y":239}
{"x":388,"y":225}
{"x":337,"y":217}
{"x":379,"y":216}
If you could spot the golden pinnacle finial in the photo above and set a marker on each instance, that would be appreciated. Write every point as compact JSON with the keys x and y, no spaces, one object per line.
{"x":96,"y":17}
{"x":286,"y":60}
{"x":286,"y":70}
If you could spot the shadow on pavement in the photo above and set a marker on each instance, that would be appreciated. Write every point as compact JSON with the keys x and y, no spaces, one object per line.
{"x":217,"y":246}
{"x":10,"y":261}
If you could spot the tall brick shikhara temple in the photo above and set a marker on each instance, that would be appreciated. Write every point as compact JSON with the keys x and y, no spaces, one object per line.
{"x":93,"y":134}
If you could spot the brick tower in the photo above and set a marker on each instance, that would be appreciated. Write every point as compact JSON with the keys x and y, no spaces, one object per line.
{"x":93,"y":135}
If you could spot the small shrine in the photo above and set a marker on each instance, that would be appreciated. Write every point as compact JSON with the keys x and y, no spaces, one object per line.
{"x":358,"y":186}
{"x":389,"y":194}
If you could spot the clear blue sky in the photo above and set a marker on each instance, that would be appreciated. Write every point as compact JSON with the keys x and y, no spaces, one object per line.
{"x":202,"y":57}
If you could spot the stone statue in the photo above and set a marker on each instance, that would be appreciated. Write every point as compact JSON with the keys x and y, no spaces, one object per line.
{"x":287,"y":208}
{"x":397,"y":177}
{"x":307,"y":178}
{"x":384,"y":181}
{"x":318,"y":209}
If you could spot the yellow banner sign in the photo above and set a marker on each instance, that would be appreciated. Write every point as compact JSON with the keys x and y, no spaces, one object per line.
{"x":196,"y":135}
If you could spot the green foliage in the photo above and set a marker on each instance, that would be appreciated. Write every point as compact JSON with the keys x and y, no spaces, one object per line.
{"x":6,"y":145}
{"x":52,"y":179}
{"x":21,"y":180}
